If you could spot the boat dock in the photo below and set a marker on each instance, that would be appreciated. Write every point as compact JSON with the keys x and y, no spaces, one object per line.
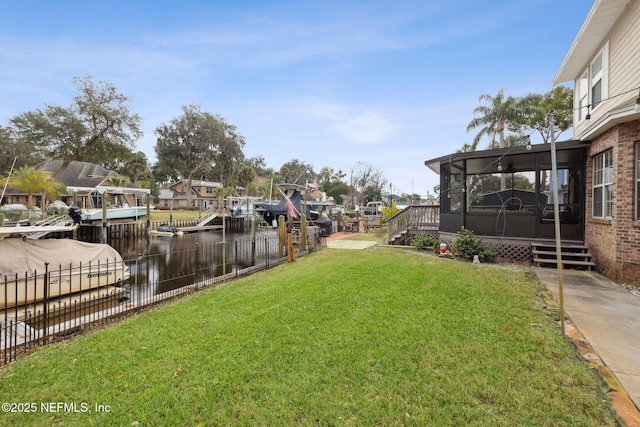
{"x":198,"y":228}
{"x":125,"y":230}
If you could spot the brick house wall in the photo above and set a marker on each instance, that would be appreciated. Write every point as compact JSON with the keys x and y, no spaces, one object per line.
{"x":615,"y":242}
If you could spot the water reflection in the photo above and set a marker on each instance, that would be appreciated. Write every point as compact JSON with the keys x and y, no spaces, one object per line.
{"x":163,"y":264}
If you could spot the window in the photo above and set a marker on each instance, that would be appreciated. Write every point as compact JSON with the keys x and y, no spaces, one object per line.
{"x":582,"y":96}
{"x":599,"y":71}
{"x":603,"y":185}
{"x":592,"y":87}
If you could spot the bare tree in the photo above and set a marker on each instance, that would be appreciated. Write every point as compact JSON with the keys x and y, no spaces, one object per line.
{"x":366,"y":179}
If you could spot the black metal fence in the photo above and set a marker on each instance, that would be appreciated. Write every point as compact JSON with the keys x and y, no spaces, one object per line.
{"x":48,"y":316}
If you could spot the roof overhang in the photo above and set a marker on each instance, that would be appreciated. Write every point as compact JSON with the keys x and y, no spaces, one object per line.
{"x":513,"y":158}
{"x":601,"y":18}
{"x":614,"y":117}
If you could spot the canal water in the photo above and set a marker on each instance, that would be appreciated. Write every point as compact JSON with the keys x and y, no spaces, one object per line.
{"x":161,"y":268}
{"x":130,"y":248}
{"x":160,"y":264}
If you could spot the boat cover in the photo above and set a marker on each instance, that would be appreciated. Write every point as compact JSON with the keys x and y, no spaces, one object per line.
{"x":18,"y":256}
{"x":284,"y":207}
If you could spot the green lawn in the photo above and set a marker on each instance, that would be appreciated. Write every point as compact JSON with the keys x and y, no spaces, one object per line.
{"x":376,"y":337}
{"x":176,"y":214}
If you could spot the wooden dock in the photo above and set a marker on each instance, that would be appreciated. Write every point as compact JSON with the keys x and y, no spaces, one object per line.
{"x":199,"y":228}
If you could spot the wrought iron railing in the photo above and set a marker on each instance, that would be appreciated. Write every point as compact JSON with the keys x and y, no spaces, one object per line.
{"x":37,"y":309}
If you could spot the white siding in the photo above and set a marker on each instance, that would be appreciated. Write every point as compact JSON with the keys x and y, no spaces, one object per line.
{"x":624,"y":57}
{"x":624,"y":65}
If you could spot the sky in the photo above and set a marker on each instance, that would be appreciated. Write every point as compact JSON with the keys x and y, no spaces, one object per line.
{"x":330,"y":83}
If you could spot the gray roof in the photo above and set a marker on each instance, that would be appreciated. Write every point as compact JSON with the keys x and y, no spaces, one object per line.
{"x":78,"y":174}
{"x":166,"y":194}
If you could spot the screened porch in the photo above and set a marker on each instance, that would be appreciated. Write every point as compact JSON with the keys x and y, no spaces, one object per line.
{"x":507,"y":193}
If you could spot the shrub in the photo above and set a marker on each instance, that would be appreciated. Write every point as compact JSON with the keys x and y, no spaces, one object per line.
{"x":425,"y":241}
{"x":466,"y":244}
{"x":388,"y":212}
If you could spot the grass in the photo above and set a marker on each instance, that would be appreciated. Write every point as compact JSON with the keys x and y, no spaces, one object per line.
{"x":376,"y":337}
{"x":177,"y":214}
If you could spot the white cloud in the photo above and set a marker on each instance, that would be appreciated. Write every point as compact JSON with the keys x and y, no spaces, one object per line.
{"x":366,"y":127}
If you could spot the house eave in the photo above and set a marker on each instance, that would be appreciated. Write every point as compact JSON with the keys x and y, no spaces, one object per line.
{"x":601,"y":18}
{"x":497,"y":154}
{"x":607,"y":121}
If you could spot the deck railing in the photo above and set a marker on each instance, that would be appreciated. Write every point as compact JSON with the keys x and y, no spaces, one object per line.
{"x":413,"y":220}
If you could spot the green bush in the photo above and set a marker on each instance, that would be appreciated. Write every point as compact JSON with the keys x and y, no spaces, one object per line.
{"x":425,"y":241}
{"x":466,"y":244}
{"x":389,"y":212}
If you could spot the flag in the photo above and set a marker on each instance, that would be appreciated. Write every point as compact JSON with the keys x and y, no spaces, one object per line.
{"x":290,"y":208}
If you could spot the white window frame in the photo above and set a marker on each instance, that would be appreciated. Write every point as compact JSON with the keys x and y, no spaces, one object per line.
{"x":601,"y":75}
{"x":585,"y":85}
{"x":603,"y":185}
{"x":582,"y":96}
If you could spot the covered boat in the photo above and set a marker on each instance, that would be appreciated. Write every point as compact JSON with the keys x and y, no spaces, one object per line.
{"x":38,"y":270}
{"x":165,"y":230}
{"x":289,"y":206}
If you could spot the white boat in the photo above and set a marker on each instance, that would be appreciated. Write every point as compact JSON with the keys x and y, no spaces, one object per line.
{"x":32,"y":271}
{"x":124,"y":203}
{"x":34,"y":231}
{"x":166,"y":230}
{"x":117,"y":213}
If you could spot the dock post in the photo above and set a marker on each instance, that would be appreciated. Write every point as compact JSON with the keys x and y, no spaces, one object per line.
{"x":303,"y":233}
{"x":282,"y":236}
{"x":148,"y":231}
{"x":253,"y":239}
{"x":104,"y":218}
{"x":290,"y":247}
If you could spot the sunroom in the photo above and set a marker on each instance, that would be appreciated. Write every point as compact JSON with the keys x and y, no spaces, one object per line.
{"x":506,"y":194}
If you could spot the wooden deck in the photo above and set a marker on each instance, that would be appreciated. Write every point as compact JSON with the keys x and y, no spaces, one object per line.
{"x":198,"y":228}
{"x":414,"y":220}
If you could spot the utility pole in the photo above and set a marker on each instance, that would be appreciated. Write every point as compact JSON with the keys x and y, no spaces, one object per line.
{"x":556,"y":215}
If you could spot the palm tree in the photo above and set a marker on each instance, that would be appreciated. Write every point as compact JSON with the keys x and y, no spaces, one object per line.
{"x":494,"y":117}
{"x":223,"y":192}
{"x":136,"y":165}
{"x":117,"y":181}
{"x":257,"y":189}
{"x":32,"y":180}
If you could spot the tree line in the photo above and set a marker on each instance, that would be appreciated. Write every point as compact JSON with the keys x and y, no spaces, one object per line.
{"x":510,"y":121}
{"x":99,"y":127}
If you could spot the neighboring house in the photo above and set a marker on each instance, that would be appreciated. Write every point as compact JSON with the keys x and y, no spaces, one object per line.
{"x":81,"y":179}
{"x":604,"y":65}
{"x":204,"y":194}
